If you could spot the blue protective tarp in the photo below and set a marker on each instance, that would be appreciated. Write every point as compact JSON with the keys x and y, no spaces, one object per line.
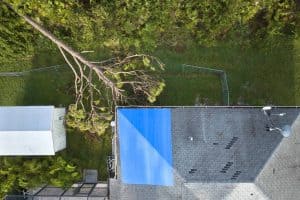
{"x":145,"y":145}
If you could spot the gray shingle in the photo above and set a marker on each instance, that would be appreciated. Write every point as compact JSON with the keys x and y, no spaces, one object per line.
{"x":231,"y":156}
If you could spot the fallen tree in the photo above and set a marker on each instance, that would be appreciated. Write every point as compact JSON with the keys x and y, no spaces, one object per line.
{"x":124,"y":79}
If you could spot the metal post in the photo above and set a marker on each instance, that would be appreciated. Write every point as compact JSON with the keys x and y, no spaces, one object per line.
{"x":62,"y":194}
{"x":221,"y":74}
{"x":35,"y":194}
{"x":92,"y":189}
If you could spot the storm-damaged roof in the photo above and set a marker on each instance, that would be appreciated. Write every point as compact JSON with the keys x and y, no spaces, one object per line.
{"x":222,"y":153}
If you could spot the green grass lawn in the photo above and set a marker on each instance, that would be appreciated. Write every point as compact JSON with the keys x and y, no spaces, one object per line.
{"x":255,"y":76}
{"x":268,"y":75}
{"x":296,"y":55}
{"x":88,"y":154}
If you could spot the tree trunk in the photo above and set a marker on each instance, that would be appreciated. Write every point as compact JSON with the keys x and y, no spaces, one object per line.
{"x":68,"y":49}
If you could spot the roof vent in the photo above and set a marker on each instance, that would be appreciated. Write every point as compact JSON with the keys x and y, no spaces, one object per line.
{"x":236,"y":175}
{"x":226,"y":167}
{"x":285,"y":131}
{"x":192,"y":171}
{"x":232,"y":141}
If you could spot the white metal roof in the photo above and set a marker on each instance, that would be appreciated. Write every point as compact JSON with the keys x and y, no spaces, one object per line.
{"x":26,"y":118}
{"x":26,"y":130}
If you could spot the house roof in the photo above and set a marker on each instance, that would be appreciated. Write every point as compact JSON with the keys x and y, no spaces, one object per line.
{"x":26,"y":118}
{"x":230,"y":156}
{"x":28,"y":130}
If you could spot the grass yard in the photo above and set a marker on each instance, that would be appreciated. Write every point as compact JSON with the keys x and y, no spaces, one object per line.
{"x":268,"y":75}
{"x":88,"y":154}
{"x":255,"y":76}
{"x":296,"y":55}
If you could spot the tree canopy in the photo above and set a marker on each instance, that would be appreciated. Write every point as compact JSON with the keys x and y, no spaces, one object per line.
{"x":141,"y":26}
{"x":17,"y":174}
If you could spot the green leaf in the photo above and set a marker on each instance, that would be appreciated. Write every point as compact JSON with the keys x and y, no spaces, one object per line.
{"x":70,"y":168}
{"x":146,"y":61}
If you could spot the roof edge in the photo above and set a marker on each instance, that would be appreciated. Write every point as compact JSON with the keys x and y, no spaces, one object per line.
{"x":139,"y":106}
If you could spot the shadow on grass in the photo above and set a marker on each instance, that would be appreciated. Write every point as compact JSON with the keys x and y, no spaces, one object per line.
{"x":88,"y":154}
{"x":49,"y":87}
{"x":256,"y":76}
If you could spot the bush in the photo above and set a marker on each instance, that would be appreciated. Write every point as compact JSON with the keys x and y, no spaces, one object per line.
{"x":17,"y":174}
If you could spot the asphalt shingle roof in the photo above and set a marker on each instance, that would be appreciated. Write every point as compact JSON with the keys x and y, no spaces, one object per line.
{"x":231,"y":156}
